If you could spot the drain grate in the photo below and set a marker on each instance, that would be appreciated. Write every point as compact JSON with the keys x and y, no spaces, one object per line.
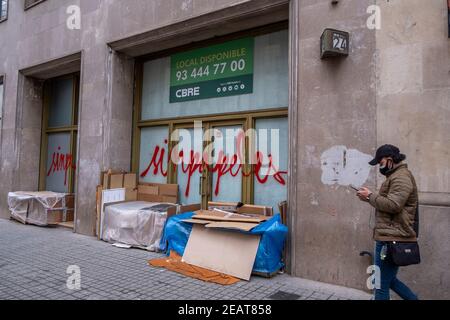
{"x":282,"y":295}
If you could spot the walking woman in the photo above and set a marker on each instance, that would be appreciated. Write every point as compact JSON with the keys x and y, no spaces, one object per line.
{"x":396,"y":217}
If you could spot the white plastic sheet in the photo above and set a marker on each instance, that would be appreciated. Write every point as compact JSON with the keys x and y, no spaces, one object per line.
{"x":136,"y":223}
{"x":34,"y":207}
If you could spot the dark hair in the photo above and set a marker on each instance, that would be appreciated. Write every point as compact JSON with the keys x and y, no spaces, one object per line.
{"x":398,"y":158}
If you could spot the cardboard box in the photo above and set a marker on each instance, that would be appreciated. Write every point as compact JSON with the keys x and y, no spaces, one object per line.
{"x":225,"y":206}
{"x":182,"y":209}
{"x":148,"y":190}
{"x":253,"y":209}
{"x":245,"y":209}
{"x":130,"y":181}
{"x":116,"y":181}
{"x":107,"y":178}
{"x":131,"y":194}
{"x":55,"y":217}
{"x":170,"y":190}
{"x":149,"y":197}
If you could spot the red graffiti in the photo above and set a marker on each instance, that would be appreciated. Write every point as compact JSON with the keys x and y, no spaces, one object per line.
{"x":61,"y":162}
{"x":156,"y":162}
{"x":223,"y":166}
{"x":195,"y":164}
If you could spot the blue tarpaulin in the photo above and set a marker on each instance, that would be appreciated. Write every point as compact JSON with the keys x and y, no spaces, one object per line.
{"x":268,"y":258}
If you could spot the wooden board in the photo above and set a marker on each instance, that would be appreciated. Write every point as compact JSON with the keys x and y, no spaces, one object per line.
{"x":69,"y":225}
{"x":98,"y":211}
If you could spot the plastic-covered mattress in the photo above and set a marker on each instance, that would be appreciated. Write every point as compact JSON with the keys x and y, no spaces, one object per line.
{"x":38,"y":208}
{"x":136,"y":223}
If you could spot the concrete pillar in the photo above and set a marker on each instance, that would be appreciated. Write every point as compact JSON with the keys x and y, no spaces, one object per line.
{"x":105,"y":128}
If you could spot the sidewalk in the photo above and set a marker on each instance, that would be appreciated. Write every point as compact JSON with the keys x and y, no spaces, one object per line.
{"x":34,"y":261}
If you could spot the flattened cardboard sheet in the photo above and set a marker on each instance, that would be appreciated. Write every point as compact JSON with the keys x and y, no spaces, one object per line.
{"x":231,"y":253}
{"x":198,"y":221}
{"x":242,"y":226}
{"x":219,"y":216}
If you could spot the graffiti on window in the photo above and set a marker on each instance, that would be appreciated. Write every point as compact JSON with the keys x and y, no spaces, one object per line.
{"x":61,"y":162}
{"x":223,"y":165}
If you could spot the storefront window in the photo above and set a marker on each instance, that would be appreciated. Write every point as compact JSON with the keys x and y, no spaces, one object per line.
{"x":271,"y":179}
{"x":199,"y":105}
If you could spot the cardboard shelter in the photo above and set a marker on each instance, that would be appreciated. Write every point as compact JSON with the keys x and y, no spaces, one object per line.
{"x":149,"y":192}
{"x":272,"y":232}
{"x":41,"y":208}
{"x":215,"y":242}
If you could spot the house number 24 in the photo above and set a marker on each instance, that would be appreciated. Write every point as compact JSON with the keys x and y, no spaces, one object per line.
{"x":339,"y":42}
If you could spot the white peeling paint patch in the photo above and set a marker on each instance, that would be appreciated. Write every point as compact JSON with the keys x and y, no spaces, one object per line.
{"x":344,"y":166}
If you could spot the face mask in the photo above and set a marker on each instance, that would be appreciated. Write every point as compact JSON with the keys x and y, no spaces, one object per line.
{"x":385,"y":169}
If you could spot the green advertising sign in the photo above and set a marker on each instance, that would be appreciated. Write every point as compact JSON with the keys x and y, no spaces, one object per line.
{"x":218,"y":71}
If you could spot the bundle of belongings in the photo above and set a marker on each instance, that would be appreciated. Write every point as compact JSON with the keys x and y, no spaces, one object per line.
{"x":41,"y":208}
{"x":224,"y":246}
{"x":135,"y":223}
{"x":132,"y":214}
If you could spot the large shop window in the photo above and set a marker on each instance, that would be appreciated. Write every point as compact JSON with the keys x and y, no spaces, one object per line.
{"x":213,"y":119}
{"x":60,"y":126}
{"x":270,"y":180}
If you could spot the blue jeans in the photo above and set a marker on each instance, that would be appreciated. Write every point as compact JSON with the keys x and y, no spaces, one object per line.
{"x":389,"y":278}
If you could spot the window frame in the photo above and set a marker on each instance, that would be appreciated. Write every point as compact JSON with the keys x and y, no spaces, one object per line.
{"x":248,"y":117}
{"x":7,"y":11}
{"x":26,"y":7}
{"x":2,"y":98}
{"x":72,"y":129}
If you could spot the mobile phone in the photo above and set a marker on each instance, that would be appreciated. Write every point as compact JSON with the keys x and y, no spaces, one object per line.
{"x":353,"y":187}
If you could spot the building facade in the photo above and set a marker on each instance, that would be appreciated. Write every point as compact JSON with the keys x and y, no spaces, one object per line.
{"x":88,"y":85}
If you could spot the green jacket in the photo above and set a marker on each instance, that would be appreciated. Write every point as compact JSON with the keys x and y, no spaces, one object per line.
{"x":395,"y":206}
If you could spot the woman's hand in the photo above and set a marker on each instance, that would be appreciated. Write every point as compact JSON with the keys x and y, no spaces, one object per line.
{"x":364,"y":194}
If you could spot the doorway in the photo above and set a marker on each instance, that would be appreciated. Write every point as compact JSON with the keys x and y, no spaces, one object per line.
{"x":59,"y":140}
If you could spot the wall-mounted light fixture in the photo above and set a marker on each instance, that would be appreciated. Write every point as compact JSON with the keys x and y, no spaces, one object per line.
{"x":334,"y":43}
